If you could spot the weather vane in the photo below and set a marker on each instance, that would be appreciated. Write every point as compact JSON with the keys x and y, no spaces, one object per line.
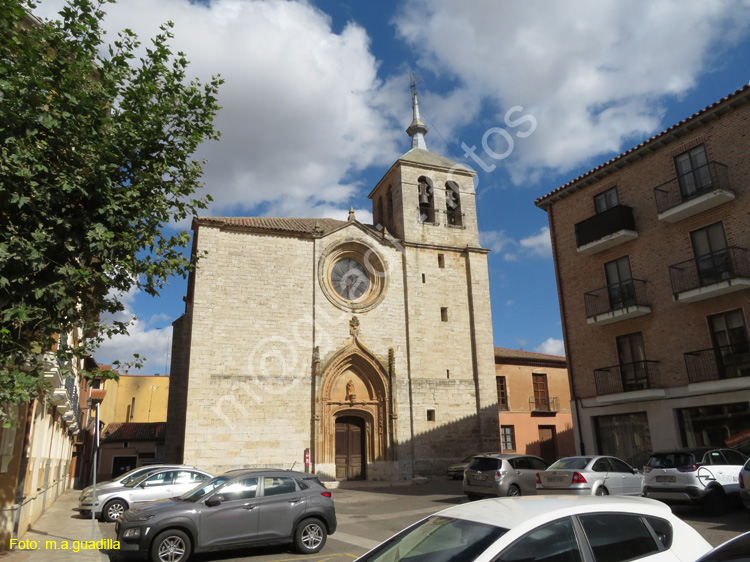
{"x":413,"y":81}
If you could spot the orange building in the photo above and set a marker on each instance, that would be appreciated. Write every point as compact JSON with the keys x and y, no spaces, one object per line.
{"x":533,"y":398}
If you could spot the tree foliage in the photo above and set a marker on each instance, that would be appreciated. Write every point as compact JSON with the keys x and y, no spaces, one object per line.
{"x":96,"y":158}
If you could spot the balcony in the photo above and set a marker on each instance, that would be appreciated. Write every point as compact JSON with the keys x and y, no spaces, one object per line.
{"x":718,"y":363}
{"x":546,"y":405}
{"x":616,"y":302}
{"x":709,"y":276}
{"x":679,"y":199}
{"x":605,"y":230}
{"x":628,"y":377}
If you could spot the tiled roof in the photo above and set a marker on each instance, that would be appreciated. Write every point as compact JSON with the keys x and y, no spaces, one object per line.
{"x":153,"y":431}
{"x":277,"y":224}
{"x":739,"y":97}
{"x":504,"y":355}
{"x":429,"y":158}
{"x":98,"y":394}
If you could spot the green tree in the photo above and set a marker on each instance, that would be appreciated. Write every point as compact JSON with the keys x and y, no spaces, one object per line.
{"x":96,"y":159}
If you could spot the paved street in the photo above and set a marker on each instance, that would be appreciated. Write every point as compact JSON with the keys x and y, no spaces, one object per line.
{"x":370,"y":513}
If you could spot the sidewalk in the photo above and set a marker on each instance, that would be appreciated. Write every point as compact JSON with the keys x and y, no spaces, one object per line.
{"x":59,"y":524}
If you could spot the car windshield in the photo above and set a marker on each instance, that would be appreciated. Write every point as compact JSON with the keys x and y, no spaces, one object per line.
{"x":133,"y":483}
{"x":484,"y":463}
{"x":572,"y":463}
{"x":670,"y":460}
{"x":438,"y":539}
{"x":204,"y":488}
{"x":136,"y":474}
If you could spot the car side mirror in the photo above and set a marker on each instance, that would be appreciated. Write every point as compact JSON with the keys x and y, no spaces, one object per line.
{"x":214,"y":501}
{"x":635,"y":470}
{"x":142,"y":485}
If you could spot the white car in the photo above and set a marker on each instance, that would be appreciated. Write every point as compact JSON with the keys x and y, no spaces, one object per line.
{"x":547,"y":529}
{"x":128,"y":477}
{"x":111,"y":503}
{"x":594,"y":475}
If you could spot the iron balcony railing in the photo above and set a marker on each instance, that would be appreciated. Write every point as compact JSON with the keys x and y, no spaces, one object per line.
{"x":728,"y":263}
{"x":607,"y":222}
{"x":628,"y":377}
{"x":704,"y":179}
{"x":615,"y":297}
{"x":549,"y":404}
{"x":717,"y":363}
{"x":72,"y":390}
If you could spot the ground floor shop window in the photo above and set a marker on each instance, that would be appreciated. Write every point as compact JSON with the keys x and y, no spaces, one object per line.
{"x":625,"y":436}
{"x":722,"y":425}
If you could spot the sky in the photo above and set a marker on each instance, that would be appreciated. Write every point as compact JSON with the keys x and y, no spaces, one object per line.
{"x":530,"y":94}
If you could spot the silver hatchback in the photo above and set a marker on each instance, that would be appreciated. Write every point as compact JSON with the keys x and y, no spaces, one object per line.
{"x":502,"y":475}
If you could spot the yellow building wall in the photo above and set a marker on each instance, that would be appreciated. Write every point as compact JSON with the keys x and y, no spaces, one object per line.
{"x":136,"y":398}
{"x":526,"y":423}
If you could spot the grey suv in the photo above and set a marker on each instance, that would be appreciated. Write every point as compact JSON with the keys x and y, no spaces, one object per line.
{"x":502,"y":475}
{"x":240,"y":508}
{"x":706,"y":475}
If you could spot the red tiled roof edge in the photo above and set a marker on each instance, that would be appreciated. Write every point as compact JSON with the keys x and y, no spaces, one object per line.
{"x":134,"y":431}
{"x":520,"y":357}
{"x":722,"y":101}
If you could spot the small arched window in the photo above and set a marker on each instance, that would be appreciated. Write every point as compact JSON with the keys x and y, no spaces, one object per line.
{"x":453,"y":213}
{"x":389,"y":208}
{"x":426,"y":199}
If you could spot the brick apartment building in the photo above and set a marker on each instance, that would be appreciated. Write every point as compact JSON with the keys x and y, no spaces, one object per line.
{"x":651,"y":258}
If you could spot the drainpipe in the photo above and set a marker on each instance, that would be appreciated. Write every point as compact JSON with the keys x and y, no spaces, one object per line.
{"x":558,"y":279}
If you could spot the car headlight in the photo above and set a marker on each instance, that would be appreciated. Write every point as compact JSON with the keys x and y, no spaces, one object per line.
{"x":132,"y":533}
{"x":140,"y":518}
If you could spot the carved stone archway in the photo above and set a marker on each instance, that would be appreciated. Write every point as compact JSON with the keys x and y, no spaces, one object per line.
{"x":353,"y":383}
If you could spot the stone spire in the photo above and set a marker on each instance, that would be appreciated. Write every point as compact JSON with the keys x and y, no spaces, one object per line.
{"x":417,"y":130}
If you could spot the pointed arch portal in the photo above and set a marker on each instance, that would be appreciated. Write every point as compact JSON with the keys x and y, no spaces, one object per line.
{"x":353,"y":410}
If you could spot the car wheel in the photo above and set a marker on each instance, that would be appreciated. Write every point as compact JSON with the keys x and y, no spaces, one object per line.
{"x":514,"y":490}
{"x":602,"y":491}
{"x":310,"y":536}
{"x":113,"y":510}
{"x":714,"y":502}
{"x":171,"y":546}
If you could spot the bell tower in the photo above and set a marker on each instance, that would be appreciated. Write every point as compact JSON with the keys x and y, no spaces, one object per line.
{"x":426,"y":198}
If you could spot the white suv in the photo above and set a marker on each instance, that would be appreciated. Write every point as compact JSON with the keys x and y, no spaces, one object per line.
{"x":697,"y":475}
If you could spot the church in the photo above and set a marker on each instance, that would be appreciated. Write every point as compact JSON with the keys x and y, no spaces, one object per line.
{"x":350,"y":350}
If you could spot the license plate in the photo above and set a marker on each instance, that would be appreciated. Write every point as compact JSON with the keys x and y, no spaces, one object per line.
{"x":479,"y":477}
{"x":666,"y":479}
{"x":556,"y":479}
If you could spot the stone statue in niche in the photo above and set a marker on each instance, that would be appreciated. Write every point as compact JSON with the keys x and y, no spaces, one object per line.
{"x":350,"y":390}
{"x":354,"y":327}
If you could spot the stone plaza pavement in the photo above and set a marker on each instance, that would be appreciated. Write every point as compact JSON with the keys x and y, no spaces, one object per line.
{"x":58,"y":536}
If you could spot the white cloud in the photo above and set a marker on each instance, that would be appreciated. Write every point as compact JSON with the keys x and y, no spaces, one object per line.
{"x":592,"y":73}
{"x":300,"y":103}
{"x":551,"y":346}
{"x":509,"y":302}
{"x":534,"y":246}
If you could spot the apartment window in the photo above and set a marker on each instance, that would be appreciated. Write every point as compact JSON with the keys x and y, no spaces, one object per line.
{"x":620,"y":286}
{"x":444,"y":314}
{"x":712,"y":258}
{"x":502,"y":393}
{"x":541,"y":392}
{"x":693,"y":174}
{"x":441,"y":261}
{"x":508,"y":437}
{"x":606,"y":200}
{"x":730,"y":342}
{"x":632,"y":356}
{"x":431,"y":415}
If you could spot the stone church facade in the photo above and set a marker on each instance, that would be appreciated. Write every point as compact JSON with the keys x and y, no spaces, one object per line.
{"x":364,"y":349}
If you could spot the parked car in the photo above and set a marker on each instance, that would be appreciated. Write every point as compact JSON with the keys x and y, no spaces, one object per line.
{"x":744,"y":479}
{"x":547,"y":529}
{"x":595,"y":475}
{"x":456,"y":471}
{"x":110,"y":504}
{"x":240,"y":508}
{"x":733,"y":550}
{"x":129,"y":477}
{"x":501,"y":475}
{"x":709,"y":476}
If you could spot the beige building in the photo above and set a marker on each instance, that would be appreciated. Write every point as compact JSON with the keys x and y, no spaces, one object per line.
{"x":365,"y":349}
{"x":135,"y":399}
{"x":533,"y":401}
{"x":651,"y":258}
